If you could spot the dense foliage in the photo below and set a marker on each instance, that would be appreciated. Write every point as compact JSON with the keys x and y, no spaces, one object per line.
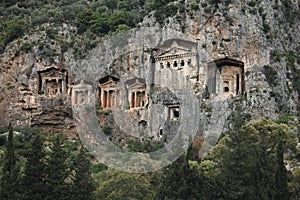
{"x":247,"y":163}
{"x":44,"y":168}
{"x":93,"y":18}
{"x":10,"y":182}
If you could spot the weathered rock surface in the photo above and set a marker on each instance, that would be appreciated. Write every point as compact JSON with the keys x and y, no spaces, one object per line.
{"x":236,"y":31}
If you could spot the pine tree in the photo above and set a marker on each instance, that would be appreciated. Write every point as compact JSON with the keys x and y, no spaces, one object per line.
{"x":250,"y":162}
{"x":10,"y":177}
{"x":83,"y":187}
{"x":35,"y":171}
{"x":281,"y":175}
{"x":57,"y":172}
{"x":231,"y":183}
{"x":178,"y":181}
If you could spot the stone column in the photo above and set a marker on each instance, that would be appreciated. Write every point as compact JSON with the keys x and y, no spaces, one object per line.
{"x":113,"y":99}
{"x":89,"y":96}
{"x":135,"y":101}
{"x":64,"y":83}
{"x":43,"y":85}
{"x":46,"y":87}
{"x":219,"y":84}
{"x":109,"y":99}
{"x":73,"y":99}
{"x":145,"y":97}
{"x":63,"y":88}
{"x":103,"y":99}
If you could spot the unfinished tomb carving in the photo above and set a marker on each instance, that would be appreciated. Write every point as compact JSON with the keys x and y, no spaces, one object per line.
{"x":136,"y":92}
{"x":53,"y":82}
{"x":109,"y":92}
{"x":226,"y":77}
{"x":82,"y":93}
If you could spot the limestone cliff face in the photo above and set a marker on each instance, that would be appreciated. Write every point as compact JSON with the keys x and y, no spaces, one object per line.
{"x":36,"y":86}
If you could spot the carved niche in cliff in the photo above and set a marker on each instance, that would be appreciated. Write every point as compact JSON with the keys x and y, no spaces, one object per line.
{"x":173,"y":112}
{"x":53,"y":82}
{"x":226,"y":77}
{"x":108,"y":92}
{"x":27,"y":99}
{"x":82,"y":93}
{"x":136,"y":92}
{"x":179,"y":55}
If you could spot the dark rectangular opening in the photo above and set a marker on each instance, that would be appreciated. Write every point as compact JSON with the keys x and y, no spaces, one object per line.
{"x":133,"y":100}
{"x":237,"y":83}
{"x":168,"y":64}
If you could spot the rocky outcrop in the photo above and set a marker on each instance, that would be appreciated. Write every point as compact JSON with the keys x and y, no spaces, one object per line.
{"x":251,"y":34}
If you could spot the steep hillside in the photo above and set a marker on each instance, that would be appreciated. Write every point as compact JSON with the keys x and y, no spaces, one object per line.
{"x":75,"y":38}
{"x":193,"y":99}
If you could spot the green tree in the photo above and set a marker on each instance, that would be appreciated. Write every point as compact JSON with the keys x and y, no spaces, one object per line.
{"x":84,"y":20}
{"x":35,"y":171}
{"x":10,"y":180}
{"x":15,"y":29}
{"x":57,"y":172}
{"x":159,"y":3}
{"x":100,"y":24}
{"x":83,"y":186}
{"x":179,"y":181}
{"x":111,"y":4}
{"x":118,"y":185}
{"x":129,"y":4}
{"x":8,"y":3}
{"x":294,"y":185}
{"x":249,"y":162}
{"x":121,"y":28}
{"x":281,"y":184}
{"x":209,"y":171}
{"x":120,"y":17}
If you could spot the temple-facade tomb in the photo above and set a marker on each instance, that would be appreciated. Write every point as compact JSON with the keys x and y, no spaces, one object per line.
{"x":136,"y":89}
{"x":53,"y":82}
{"x":178,"y":54}
{"x":109,"y":92}
{"x":226,"y":77}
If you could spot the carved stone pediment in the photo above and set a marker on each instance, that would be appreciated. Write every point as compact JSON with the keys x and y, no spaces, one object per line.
{"x":52,"y":73}
{"x":82,"y":86}
{"x":171,"y":43}
{"x":137,"y":86}
{"x":175,"y":51}
{"x":136,"y":83}
{"x":176,"y":48}
{"x":226,"y":62}
{"x":108,"y":82}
